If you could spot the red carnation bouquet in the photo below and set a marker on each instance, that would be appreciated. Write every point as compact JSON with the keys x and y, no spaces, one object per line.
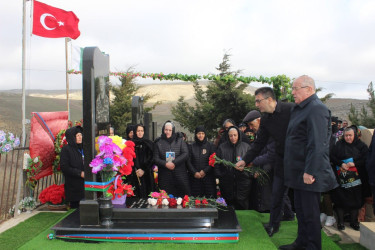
{"x":261,"y":174}
{"x":54,"y":194}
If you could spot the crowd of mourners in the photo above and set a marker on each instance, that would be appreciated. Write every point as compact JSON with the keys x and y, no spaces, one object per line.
{"x":188,"y":172}
{"x":327,"y":167}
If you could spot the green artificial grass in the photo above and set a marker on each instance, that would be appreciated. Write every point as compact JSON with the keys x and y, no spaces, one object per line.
{"x":27,"y":230}
{"x":32,"y":234}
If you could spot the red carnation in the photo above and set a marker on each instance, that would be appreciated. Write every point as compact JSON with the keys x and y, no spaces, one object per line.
{"x":186,"y":198}
{"x":172,"y":202}
{"x":204,"y":201}
{"x":197,"y":202}
{"x":211,"y":160}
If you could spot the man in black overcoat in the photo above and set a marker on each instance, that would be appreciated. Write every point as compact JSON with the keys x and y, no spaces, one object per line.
{"x":306,"y":160}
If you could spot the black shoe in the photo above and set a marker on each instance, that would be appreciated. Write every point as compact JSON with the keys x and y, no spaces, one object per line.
{"x":272,"y":230}
{"x":340,"y":226}
{"x":288,"y":218}
{"x":293,"y":246}
{"x":355,"y":226}
{"x":266,"y":225}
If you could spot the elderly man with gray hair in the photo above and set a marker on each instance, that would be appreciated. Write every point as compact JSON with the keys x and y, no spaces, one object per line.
{"x":306,"y":159}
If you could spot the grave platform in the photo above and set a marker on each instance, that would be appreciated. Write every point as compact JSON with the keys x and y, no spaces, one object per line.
{"x":136,"y":221}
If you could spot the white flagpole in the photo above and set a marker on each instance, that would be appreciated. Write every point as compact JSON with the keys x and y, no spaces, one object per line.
{"x":67,"y":75}
{"x":23,"y":73}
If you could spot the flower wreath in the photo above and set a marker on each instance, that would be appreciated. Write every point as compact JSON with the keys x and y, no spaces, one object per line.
{"x":60,"y":142}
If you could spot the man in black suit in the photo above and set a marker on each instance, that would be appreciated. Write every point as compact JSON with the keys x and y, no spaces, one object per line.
{"x":274,"y":124}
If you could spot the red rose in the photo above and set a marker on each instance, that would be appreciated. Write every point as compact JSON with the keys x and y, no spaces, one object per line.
{"x":204,"y":201}
{"x":186,"y":198}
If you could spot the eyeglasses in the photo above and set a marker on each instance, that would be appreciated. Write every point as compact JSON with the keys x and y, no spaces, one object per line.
{"x":297,"y":88}
{"x":259,"y":100}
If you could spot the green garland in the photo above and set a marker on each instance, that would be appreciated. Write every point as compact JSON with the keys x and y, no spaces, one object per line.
{"x":280,"y":83}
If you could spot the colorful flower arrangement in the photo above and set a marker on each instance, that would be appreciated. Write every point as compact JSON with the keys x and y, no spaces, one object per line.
{"x":7,"y":142}
{"x":262,"y":175}
{"x":163,"y":199}
{"x":54,"y":194}
{"x":34,"y":167}
{"x":115,"y":157}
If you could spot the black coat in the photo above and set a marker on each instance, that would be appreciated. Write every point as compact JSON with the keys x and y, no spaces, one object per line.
{"x":357,"y":150}
{"x":272,"y":126}
{"x":175,"y":181}
{"x":144,"y":150}
{"x":260,"y":196}
{"x":234,"y":185}
{"x":199,"y":154}
{"x":71,"y":164}
{"x":307,"y":147}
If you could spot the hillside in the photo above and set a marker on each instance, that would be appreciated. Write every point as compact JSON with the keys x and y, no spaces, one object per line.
{"x":55,"y":100}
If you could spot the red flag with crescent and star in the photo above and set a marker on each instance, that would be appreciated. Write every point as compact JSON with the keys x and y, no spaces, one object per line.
{"x":53,"y":22}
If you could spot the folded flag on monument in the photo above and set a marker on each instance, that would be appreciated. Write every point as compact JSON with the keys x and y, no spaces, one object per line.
{"x":53,"y":22}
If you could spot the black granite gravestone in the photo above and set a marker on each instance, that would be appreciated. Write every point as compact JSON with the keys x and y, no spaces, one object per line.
{"x":95,"y":93}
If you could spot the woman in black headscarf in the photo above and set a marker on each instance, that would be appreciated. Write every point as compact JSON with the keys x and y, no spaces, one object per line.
{"x":234,"y":182}
{"x":170,"y":155}
{"x":129,"y":132}
{"x":202,"y":179}
{"x":71,"y":164}
{"x":349,"y":157}
{"x":142,"y":177}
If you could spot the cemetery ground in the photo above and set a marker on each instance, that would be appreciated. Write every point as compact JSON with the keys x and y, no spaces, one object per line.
{"x":30,"y":231}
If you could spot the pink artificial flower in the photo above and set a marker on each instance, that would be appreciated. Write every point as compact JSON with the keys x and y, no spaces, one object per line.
{"x":104,"y":140}
{"x":97,"y":165}
{"x":155,"y":195}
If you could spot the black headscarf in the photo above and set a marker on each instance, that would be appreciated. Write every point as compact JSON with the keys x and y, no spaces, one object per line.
{"x":198,"y":129}
{"x":173,"y":137}
{"x":135,"y":137}
{"x":129,"y":128}
{"x":70,"y":135}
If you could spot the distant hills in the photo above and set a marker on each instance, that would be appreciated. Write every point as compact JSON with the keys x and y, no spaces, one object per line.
{"x":55,"y":100}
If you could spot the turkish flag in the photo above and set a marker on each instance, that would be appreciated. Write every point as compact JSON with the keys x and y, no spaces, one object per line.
{"x":52,"y":22}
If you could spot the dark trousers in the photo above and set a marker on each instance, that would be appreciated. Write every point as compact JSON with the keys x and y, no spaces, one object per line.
{"x":280,"y":202}
{"x":306,"y":204}
{"x":373,"y":197}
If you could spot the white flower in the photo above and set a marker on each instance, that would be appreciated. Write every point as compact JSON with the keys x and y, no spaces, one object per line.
{"x":179,"y":201}
{"x":149,"y":201}
{"x":165,"y":202}
{"x":26,"y":158}
{"x":153,"y":202}
{"x":36,"y":159}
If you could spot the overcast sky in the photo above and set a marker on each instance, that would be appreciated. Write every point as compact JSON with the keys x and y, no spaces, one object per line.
{"x":332,"y":41}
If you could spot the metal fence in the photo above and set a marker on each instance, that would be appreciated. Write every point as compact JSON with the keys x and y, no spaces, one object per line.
{"x":12,"y":182}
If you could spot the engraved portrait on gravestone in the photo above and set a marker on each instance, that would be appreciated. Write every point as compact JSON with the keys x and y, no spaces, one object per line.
{"x":102,"y":100}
